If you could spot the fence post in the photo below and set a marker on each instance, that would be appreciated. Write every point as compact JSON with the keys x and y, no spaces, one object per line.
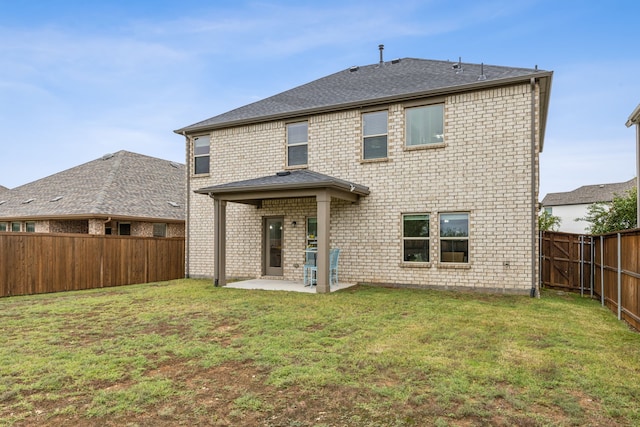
{"x":602,"y":270}
{"x":592,"y":264}
{"x":619,"y":279}
{"x":581,"y":266}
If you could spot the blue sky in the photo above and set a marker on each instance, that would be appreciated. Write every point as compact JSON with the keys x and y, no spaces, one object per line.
{"x":79,"y":79}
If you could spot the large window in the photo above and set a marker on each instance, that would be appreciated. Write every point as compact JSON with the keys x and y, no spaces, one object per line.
{"x":454,"y":237}
{"x":425,"y":125}
{"x":201,"y":146}
{"x":374,"y":134}
{"x":415,"y":238}
{"x":297,"y":143}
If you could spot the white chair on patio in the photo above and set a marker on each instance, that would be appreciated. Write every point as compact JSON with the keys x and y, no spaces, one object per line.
{"x":310,"y":270}
{"x":334,"y":254}
{"x":310,"y":273}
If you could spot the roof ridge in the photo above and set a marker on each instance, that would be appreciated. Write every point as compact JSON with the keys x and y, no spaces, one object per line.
{"x":115,"y":168}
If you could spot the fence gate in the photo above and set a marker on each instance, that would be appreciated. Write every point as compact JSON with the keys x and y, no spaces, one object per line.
{"x":566,"y":261}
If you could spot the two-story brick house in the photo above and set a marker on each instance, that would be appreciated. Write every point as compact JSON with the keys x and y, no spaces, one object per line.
{"x":424,"y":173}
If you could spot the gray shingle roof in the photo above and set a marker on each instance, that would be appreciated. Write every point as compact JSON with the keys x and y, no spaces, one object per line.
{"x":588,"y":194}
{"x":372,"y":84}
{"x":122,"y":184}
{"x":289,"y":180}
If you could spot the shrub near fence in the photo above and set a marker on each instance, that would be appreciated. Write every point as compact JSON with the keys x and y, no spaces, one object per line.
{"x":613,"y":276}
{"x":33,"y":263}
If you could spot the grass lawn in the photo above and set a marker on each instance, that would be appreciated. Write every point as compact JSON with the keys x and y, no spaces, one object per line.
{"x":186,"y":353}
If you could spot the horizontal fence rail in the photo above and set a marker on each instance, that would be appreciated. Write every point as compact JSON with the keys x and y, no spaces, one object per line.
{"x":33,"y":263}
{"x":606,"y":267}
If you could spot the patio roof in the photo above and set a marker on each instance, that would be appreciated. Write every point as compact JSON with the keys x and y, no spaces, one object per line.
{"x":287,"y":184}
{"x":282,"y":185}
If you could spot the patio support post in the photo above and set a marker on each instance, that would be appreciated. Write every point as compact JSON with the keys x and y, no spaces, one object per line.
{"x":323,"y":200}
{"x":220,"y":242}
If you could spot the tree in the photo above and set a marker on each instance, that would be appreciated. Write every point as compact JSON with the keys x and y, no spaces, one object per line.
{"x":620,"y":215}
{"x":548,"y":222}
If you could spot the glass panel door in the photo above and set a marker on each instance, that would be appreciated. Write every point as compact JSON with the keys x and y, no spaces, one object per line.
{"x":273,"y":246}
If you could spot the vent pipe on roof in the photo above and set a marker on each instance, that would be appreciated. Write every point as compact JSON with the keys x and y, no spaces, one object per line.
{"x":381,"y":47}
{"x":482,"y":76}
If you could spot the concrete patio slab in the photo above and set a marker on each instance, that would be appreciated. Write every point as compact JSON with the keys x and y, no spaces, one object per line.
{"x":282,"y":285}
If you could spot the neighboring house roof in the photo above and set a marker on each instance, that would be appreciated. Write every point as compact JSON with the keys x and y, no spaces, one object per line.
{"x":120,"y":185}
{"x":393,"y":81}
{"x":588,"y":194}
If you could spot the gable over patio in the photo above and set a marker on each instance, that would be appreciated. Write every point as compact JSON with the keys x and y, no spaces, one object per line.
{"x":282,"y":185}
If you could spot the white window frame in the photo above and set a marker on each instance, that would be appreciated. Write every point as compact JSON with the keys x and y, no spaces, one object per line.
{"x":200,"y":155}
{"x":297,"y":143}
{"x":418,"y":238}
{"x":366,"y":136}
{"x":466,"y":238}
{"x":19,"y":226}
{"x":408,"y":132}
{"x":4,"y":226}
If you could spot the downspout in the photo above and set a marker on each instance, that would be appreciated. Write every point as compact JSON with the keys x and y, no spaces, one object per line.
{"x":535,"y":289}
{"x":188,"y":211}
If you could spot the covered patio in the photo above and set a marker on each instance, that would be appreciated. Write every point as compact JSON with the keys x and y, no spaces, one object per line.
{"x":300,"y":183}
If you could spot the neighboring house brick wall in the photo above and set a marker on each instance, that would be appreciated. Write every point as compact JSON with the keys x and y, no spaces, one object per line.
{"x":96,"y":226}
{"x":175,"y":230}
{"x":69,"y":226}
{"x":484,"y":169}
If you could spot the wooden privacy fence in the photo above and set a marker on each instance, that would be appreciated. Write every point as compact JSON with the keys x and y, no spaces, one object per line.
{"x":32,"y":263}
{"x":606,"y":267}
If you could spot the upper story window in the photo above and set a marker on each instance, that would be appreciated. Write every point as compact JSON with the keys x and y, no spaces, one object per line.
{"x":297,"y":143}
{"x":415,"y":237}
{"x":425,"y":125}
{"x":374,"y":135}
{"x":454,"y":237}
{"x":16,"y":227}
{"x":3,"y":226}
{"x":30,"y":227}
{"x":201,"y":148}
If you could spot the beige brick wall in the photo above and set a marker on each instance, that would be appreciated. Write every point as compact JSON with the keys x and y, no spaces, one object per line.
{"x":483,"y":168}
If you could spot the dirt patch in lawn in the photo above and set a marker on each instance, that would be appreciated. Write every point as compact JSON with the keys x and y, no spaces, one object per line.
{"x":233,"y":394}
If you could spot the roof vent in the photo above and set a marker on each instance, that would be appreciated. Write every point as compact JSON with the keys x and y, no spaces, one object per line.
{"x":174,"y":165}
{"x":55,"y":199}
{"x":107,"y":156}
{"x":27,"y":201}
{"x":395,"y":61}
{"x":601,"y":185}
{"x":381,"y":47}
{"x":458,"y":66}
{"x":354,"y":69}
{"x":173,"y":204}
{"x":2,"y":202}
{"x":482,"y":76}
{"x":284,"y":173}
